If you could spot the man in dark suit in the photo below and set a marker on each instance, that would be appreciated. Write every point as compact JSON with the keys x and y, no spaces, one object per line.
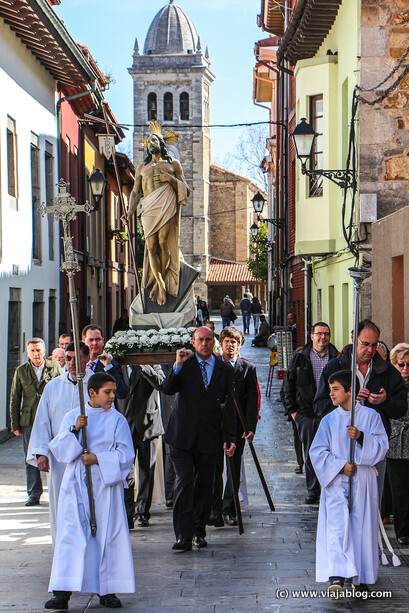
{"x":247,"y":396}
{"x":193,"y":434}
{"x":142,"y":410}
{"x":100,"y":361}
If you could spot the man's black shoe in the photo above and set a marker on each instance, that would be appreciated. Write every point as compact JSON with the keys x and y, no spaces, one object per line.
{"x":312,"y":500}
{"x":217,"y":521}
{"x":32,"y":502}
{"x":403,"y":540}
{"x":59,"y":603}
{"x":231,"y":520}
{"x":298,"y":470}
{"x":143,"y":520}
{"x":111,"y":601}
{"x":182,"y":545}
{"x":199,"y":541}
{"x":169,"y":504}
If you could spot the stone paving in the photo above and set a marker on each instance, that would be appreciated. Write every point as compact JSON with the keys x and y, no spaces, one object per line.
{"x":255,"y":572}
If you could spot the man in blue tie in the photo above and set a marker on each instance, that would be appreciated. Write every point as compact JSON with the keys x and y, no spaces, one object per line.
{"x":193,"y":434}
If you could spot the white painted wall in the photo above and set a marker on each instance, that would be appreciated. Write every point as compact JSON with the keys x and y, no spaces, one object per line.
{"x":27,"y":94}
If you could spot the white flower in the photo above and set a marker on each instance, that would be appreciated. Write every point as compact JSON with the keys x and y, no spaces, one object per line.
{"x":176,"y":338}
{"x":165,"y":339}
{"x":150,"y":332}
{"x":144,"y":339}
{"x":163,"y":331}
{"x":191,"y":329}
{"x":186,"y":338}
{"x":173,"y":330}
{"x":155,"y":339}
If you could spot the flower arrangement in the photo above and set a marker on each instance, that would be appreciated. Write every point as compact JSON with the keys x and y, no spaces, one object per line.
{"x":150,"y":341}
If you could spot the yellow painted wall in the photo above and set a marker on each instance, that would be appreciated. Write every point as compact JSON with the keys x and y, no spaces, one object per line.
{"x":318,"y":220}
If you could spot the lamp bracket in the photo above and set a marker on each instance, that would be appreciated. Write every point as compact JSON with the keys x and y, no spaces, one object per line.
{"x":278,"y":223}
{"x":342,"y":178}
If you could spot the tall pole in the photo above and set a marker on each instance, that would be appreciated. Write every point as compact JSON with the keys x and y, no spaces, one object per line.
{"x":65,"y":209}
{"x":358,"y":274}
{"x":124,"y":211}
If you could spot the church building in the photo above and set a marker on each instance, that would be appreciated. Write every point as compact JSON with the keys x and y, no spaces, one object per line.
{"x":172,"y":82}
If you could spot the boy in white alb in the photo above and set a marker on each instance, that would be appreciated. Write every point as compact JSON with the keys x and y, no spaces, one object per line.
{"x":347,"y":543}
{"x":102,"y":563}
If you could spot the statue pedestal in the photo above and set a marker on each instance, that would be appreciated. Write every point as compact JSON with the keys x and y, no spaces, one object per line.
{"x":178,"y":311}
{"x":157,"y":357}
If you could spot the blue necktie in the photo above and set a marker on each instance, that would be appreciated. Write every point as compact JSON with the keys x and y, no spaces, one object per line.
{"x":204,"y":374}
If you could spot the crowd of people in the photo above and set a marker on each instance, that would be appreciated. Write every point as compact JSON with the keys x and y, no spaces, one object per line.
{"x":317,"y":399}
{"x":45,"y":410}
{"x":151,"y":401}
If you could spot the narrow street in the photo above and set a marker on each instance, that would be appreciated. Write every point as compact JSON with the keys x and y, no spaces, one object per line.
{"x":253,"y":572}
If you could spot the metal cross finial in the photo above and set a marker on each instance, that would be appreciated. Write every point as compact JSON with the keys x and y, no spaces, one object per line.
{"x":65,"y":208}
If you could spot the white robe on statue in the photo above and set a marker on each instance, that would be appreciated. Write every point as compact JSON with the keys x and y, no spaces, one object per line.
{"x":60,"y":396}
{"x":103,"y":563}
{"x":347,"y":543}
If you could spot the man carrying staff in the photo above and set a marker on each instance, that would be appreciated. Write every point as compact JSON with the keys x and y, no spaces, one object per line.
{"x":247,"y":396}
{"x":159,"y":190}
{"x":193,"y":434}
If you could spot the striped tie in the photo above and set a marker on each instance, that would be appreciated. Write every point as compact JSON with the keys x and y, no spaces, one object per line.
{"x":204,"y":374}
{"x":91,"y":364}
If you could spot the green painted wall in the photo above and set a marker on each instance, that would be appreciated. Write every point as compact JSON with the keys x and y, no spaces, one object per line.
{"x":318,"y":219}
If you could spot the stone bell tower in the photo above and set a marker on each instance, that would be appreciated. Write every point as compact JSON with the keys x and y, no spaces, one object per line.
{"x":172,"y":81}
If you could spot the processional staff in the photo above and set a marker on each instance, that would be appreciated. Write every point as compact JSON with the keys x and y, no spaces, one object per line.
{"x":358,"y":274}
{"x":65,"y":209}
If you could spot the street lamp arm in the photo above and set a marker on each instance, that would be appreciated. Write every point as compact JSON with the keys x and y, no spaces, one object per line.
{"x":279,"y":223}
{"x":342,"y":178}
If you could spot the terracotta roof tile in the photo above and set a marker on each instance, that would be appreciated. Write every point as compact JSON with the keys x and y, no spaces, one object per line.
{"x":224,"y":272}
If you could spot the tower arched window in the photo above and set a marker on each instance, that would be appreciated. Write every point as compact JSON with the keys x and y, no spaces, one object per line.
{"x":184,"y":106}
{"x":152,"y":106}
{"x":168,"y":107}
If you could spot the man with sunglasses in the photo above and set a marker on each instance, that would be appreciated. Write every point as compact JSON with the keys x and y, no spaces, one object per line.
{"x":299,"y":389}
{"x":380,"y":385}
{"x":59,"y":397}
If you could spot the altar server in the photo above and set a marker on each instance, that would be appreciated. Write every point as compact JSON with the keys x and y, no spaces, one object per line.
{"x":102,"y":563}
{"x":347,"y":544}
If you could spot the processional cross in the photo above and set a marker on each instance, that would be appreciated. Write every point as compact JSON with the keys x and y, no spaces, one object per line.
{"x":65,"y":208}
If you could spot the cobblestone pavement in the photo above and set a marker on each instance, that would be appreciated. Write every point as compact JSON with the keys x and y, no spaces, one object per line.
{"x":257,"y":571}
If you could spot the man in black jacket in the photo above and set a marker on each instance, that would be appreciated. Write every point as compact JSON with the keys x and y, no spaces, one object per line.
{"x":300,"y":385}
{"x":381,"y":386}
{"x":142,"y":410}
{"x":247,"y":396}
{"x":100,"y":361}
{"x":193,"y":434}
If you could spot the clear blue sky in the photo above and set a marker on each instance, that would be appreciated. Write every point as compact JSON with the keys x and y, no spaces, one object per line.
{"x":108,"y":28}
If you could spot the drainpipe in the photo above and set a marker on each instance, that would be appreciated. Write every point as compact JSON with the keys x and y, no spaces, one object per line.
{"x":307,"y":299}
{"x":270,"y":231}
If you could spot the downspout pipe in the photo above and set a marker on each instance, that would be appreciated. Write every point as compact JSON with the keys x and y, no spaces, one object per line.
{"x":94,"y":88}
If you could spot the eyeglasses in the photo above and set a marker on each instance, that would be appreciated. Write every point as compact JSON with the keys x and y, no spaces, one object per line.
{"x":371,"y":345}
{"x":68,"y":358}
{"x":403,"y":364}
{"x":322,"y":333}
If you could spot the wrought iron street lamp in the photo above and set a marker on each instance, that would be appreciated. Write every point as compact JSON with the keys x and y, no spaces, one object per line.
{"x":258,"y":201}
{"x":303,"y":139}
{"x":97,"y":182}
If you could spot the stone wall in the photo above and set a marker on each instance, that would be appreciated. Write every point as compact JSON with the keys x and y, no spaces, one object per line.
{"x":384,"y":127}
{"x":231,"y":214}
